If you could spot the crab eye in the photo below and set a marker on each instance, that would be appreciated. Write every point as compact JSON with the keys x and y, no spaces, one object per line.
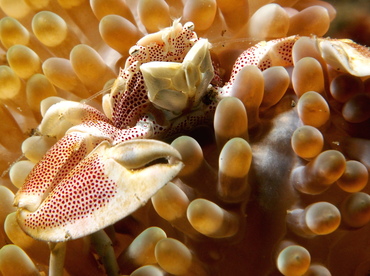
{"x":189,"y":26}
{"x":134,"y":50}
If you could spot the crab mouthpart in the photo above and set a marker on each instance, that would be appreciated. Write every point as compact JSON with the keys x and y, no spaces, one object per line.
{"x":175,"y":86}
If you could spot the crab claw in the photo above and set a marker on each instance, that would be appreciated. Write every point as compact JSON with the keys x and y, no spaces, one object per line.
{"x":63,"y":115}
{"x":346,"y":56}
{"x":76,"y":142}
{"x":107,"y":185}
{"x":54,"y":166}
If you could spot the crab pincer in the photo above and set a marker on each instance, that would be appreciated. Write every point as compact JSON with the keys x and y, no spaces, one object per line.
{"x":108,"y":184}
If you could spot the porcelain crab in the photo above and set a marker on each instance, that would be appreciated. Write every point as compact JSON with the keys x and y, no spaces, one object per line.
{"x":110,"y":161}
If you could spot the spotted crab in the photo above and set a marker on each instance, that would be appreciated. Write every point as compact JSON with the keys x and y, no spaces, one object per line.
{"x":109,"y":161}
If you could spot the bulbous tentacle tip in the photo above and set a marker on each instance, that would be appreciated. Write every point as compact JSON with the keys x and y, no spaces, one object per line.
{"x":120,"y":177}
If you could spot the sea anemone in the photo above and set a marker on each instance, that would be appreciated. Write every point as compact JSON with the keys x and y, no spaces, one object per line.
{"x":276,"y":183}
